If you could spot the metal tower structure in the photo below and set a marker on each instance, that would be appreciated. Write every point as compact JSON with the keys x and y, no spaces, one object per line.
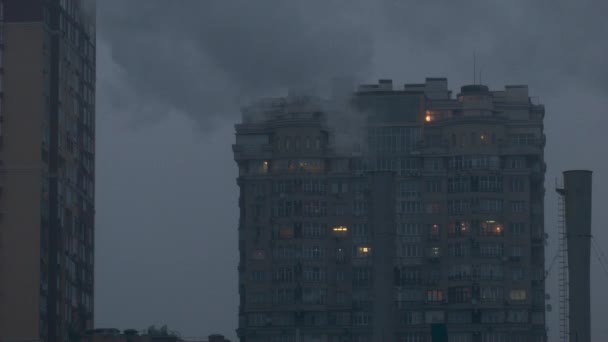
{"x":563,"y":266}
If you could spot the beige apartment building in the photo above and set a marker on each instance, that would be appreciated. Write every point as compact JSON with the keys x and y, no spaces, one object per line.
{"x":379,"y":213}
{"x":47,"y":87}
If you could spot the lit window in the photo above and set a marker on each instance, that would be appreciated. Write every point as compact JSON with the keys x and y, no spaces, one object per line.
{"x":518,"y":294}
{"x":339,"y":229}
{"x":286,"y":233}
{"x":434,"y":295}
{"x":434,"y":230}
{"x":435,"y":252}
{"x":363,"y":251}
{"x":483,"y":138}
{"x":492,"y":228}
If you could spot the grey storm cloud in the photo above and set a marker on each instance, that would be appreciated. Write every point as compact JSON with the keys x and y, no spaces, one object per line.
{"x":202,"y":57}
{"x":540,"y":40}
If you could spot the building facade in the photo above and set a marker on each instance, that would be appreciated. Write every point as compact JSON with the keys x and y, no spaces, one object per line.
{"x":429,"y":211}
{"x":47,"y":132}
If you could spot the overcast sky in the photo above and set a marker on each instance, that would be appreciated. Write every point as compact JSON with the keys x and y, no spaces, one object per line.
{"x":172,"y":75}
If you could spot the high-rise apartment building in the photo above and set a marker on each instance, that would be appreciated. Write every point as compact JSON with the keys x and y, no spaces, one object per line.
{"x":373,"y":216}
{"x":47,"y":130}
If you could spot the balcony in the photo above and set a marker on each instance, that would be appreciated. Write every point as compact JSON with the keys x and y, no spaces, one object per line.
{"x":535,"y":147}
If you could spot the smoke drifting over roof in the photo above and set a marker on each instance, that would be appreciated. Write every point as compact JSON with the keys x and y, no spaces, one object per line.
{"x":195,"y":62}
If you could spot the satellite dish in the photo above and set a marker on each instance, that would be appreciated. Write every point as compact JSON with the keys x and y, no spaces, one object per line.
{"x":549,"y":308}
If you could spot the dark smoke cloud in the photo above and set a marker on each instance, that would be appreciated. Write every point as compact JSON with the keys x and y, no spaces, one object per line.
{"x":203,"y":57}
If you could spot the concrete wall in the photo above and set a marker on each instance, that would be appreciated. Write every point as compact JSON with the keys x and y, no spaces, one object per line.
{"x":23,"y":110}
{"x":382,"y":222}
{"x":577,"y":185}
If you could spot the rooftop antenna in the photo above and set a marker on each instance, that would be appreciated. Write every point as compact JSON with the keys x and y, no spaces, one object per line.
{"x":480,"y":82}
{"x":474,"y":69}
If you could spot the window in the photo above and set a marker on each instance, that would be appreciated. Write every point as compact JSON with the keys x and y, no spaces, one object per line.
{"x":284,"y":274}
{"x":409,"y":188}
{"x":411,"y":229}
{"x":517,"y":316}
{"x":490,"y":250}
{"x":490,"y":206}
{"x":492,"y":316}
{"x":493,"y":337}
{"x":517,"y":274}
{"x":459,"y":294}
{"x":491,"y":272}
{"x":287,"y":144}
{"x":414,"y":337}
{"x":393,"y":139}
{"x":460,"y":249}
{"x":341,"y":298}
{"x":413,"y":318}
{"x":433,"y":208}
{"x":486,"y":183}
{"x":516,"y":163}
{"x":459,"y":229}
{"x":483,"y":162}
{"x":491,"y":228}
{"x":359,"y":208}
{"x":434,"y":295}
{"x":518,"y":206}
{"x":286,"y":232}
{"x":491,"y":294}
{"x":459,"y":317}
{"x":312,"y":253}
{"x":458,"y":184}
{"x":314,"y":274}
{"x":409,"y":250}
{"x":433,"y":185}
{"x":517,"y":228}
{"x":460,"y":337}
{"x":258,"y":319}
{"x":434,"y":230}
{"x":522,"y":139}
{"x":458,"y":207}
{"x":484,"y":138}
{"x":409,"y":276}
{"x":340,"y":255}
{"x":360,"y":229}
{"x":257,"y":298}
{"x":459,"y":272}
{"x":434,"y":252}
{"x":517,"y":251}
{"x":409,"y":295}
{"x":315,"y":295}
{"x":315,"y":208}
{"x":410,"y":207}
{"x":363,"y":251}
{"x":518,"y":295}
{"x":313,"y":230}
{"x":432,"y":317}
{"x":361,"y":318}
{"x":517,"y":184}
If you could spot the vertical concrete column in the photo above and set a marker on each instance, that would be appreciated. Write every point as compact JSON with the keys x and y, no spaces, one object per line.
{"x":382,"y":223}
{"x":577,"y":186}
